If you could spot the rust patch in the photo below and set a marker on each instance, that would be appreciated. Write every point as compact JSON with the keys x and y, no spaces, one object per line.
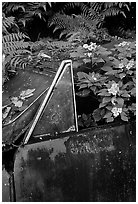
{"x":91,"y":144}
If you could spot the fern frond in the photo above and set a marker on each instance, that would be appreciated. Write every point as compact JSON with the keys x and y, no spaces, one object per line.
{"x":71,"y":5}
{"x":14,"y":37}
{"x":96,"y":6}
{"x":7,"y":23}
{"x":13,"y":6}
{"x":12,"y":47}
{"x":18,"y":61}
{"x":110,"y":8}
{"x":112,"y":11}
{"x":73,"y":23}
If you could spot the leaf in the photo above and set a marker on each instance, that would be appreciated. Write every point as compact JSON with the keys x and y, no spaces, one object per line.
{"x":113,"y":72}
{"x":130,"y":72}
{"x":106,"y":68}
{"x":97,"y":60}
{"x":125,"y":95}
{"x":109,"y":107}
{"x":122,"y":75}
{"x":101,"y":105}
{"x":107,"y":115}
{"x":104,"y":53}
{"x":82,"y":75}
{"x":27,"y":93}
{"x":18,"y":103}
{"x":82,"y":86}
{"x":76,"y":64}
{"x":120,"y":101}
{"x":106,"y":99}
{"x":42,"y":54}
{"x":124,"y":116}
{"x":104,"y":93}
{"x":84,"y":117}
{"x":86,"y":60}
{"x":83,"y":93}
{"x":110,"y":119}
{"x":125,"y":61}
{"x":133,"y":91}
{"x":6,"y":112}
{"x":96,"y":114}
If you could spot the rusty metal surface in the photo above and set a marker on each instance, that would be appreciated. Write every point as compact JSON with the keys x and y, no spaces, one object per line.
{"x":94,"y":165}
{"x":5,"y":186}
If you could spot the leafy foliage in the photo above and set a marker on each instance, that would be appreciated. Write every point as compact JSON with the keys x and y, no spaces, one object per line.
{"x":100,"y":10}
{"x":110,"y":8}
{"x":114,"y":86}
{"x":69,"y":24}
{"x":14,"y":48}
{"x":92,"y":15}
{"x":25,"y":11}
{"x":8,"y":23}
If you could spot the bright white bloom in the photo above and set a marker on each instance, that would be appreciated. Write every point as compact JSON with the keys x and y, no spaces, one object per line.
{"x":89,"y":54}
{"x":116,"y":111}
{"x":121,"y":65}
{"x":114,"y":89}
{"x":130,"y":64}
{"x":120,"y":110}
{"x":124,"y":43}
{"x":90,"y":47}
{"x":85,"y":46}
{"x":113,"y":100}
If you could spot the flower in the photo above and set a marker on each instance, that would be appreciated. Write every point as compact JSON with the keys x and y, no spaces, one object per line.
{"x":90,"y":47}
{"x":116,"y":111}
{"x":130,"y":64}
{"x":89,"y":54}
{"x":114,"y":88}
{"x":85,"y":46}
{"x":121,"y":65}
{"x":113,"y":100}
{"x":124,"y":43}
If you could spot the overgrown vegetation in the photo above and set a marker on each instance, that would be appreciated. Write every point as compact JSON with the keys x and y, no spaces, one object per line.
{"x":14,"y":47}
{"x":77,"y":31}
{"x":114,"y":84}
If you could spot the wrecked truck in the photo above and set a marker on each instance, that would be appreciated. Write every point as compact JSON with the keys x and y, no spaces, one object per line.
{"x":45,"y":155}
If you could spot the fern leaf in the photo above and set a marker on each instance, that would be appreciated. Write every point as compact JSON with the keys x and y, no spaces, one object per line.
{"x":7,"y":23}
{"x":111,"y":12}
{"x":12,"y":47}
{"x":18,"y":61}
